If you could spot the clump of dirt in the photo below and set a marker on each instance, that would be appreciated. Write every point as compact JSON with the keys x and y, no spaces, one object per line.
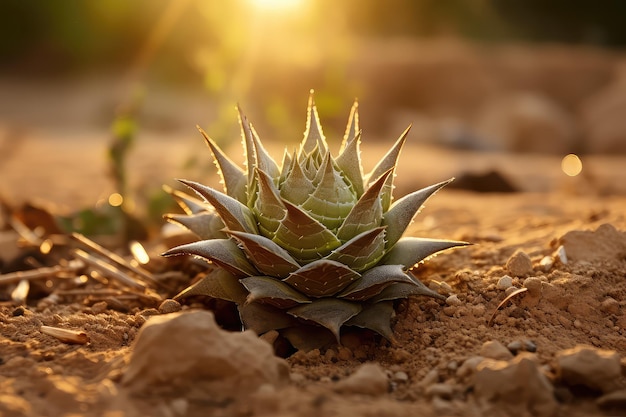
{"x":447,"y":354}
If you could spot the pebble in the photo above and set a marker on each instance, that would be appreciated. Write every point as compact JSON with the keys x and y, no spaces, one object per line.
{"x":561,"y":255}
{"x":610,"y":306}
{"x":597,"y":369}
{"x":613,"y":400}
{"x":430,"y":378}
{"x":453,"y":300}
{"x":169,"y":306}
{"x":469,"y":366}
{"x":400,"y":376}
{"x":368,"y":379}
{"x":516,"y":387}
{"x":440,"y":390}
{"x":518,"y":346}
{"x":533,"y":284}
{"x":495,"y":350}
{"x":519,"y":264}
{"x":546,"y":263}
{"x":505,"y":282}
{"x":99,"y":307}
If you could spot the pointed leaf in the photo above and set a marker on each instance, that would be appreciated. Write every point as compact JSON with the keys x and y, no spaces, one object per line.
{"x":248,"y":147}
{"x":367,"y":213}
{"x":189,"y":204}
{"x":286,"y":167}
{"x":313,"y":135}
{"x":303,"y":237}
{"x":262,"y":318}
{"x":222,"y":252}
{"x":349,"y":161}
{"x":331,"y":313}
{"x":352,"y":129}
{"x":411,"y":250}
{"x":233,"y":177}
{"x":389,"y":161}
{"x":405,"y":290}
{"x":273,"y":291}
{"x":269,"y":258}
{"x":218,"y":283}
{"x":205,"y":225}
{"x":363,"y":251}
{"x":264,"y":161}
{"x":297,"y":186}
{"x":402,"y":211}
{"x":234,"y":214}
{"x":332,"y":199}
{"x":322,"y":278}
{"x":376,"y":317}
{"x":269,"y":208}
{"x":373,"y":281}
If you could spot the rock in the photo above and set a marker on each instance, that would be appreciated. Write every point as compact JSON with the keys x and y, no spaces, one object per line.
{"x":495,"y":350}
{"x":169,"y":306}
{"x":400,"y":376}
{"x":546,"y":263}
{"x":615,"y":399}
{"x":504,"y":282}
{"x":445,"y":391}
{"x":514,"y":388}
{"x":519,"y":264}
{"x":610,"y":306}
{"x":187,"y":351}
{"x":469,"y":366}
{"x":518,"y":346}
{"x":604,"y":244}
{"x":453,"y":300}
{"x":593,"y":368}
{"x":368,"y":379}
{"x":533,"y":284}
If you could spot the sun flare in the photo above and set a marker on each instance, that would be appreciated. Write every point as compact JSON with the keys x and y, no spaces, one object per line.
{"x":277,"y":5}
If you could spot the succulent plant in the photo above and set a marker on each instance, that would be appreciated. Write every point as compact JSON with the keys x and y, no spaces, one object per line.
{"x":311,"y":245}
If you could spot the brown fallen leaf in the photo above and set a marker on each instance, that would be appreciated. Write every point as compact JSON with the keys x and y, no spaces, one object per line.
{"x":66,"y":335}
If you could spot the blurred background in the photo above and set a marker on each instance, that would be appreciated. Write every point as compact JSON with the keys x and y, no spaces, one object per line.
{"x":102,"y":97}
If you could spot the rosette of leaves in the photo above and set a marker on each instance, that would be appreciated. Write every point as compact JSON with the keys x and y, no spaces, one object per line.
{"x":311,"y":244}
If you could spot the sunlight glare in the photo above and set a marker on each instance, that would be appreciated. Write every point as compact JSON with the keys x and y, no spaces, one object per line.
{"x":276,"y":5}
{"x":571,"y":165}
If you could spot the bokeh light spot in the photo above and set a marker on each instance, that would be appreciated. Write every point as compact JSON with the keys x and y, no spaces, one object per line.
{"x":116,"y":199}
{"x":571,"y":165}
{"x":276,"y":5}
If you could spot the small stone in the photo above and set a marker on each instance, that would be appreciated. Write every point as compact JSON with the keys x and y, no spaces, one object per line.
{"x":368,"y":379}
{"x":430,"y":378}
{"x":561,"y":255}
{"x":453,"y":300}
{"x":519,"y":264}
{"x":19,"y":311}
{"x":518,"y":346}
{"x":343,"y":353}
{"x":400,"y":376}
{"x":495,"y":350}
{"x":504,"y":282}
{"x":597,"y":369}
{"x":534,"y":286}
{"x":469,"y":366}
{"x":440,"y":390}
{"x":610,"y":306}
{"x":510,"y":291}
{"x":99,"y":307}
{"x":516,"y":387}
{"x":169,"y":306}
{"x":613,"y":400}
{"x":546,"y":263}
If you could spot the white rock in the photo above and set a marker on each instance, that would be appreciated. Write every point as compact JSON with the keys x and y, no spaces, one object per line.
{"x":453,"y":300}
{"x":515,"y":388}
{"x":505,"y":282}
{"x":546,"y":263}
{"x":368,"y":379}
{"x":594,"y":368}
{"x":188,"y":351}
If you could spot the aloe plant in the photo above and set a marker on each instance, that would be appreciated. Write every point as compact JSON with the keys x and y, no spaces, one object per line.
{"x":309,"y":245}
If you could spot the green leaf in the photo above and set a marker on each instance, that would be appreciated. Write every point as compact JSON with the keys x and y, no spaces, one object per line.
{"x":189,"y":204}
{"x":376,"y":317}
{"x":303,"y":237}
{"x":233,"y":177}
{"x":262,"y":318}
{"x":411,"y":250}
{"x":366,"y":214}
{"x":331,"y":313}
{"x":235,"y":215}
{"x":389,"y":161}
{"x":361,"y":252}
{"x":374,"y":281}
{"x":349,"y":161}
{"x":269,"y":258}
{"x":264,"y":161}
{"x":297,"y":186}
{"x":352,"y":128}
{"x":332,"y":199}
{"x":222,"y":252}
{"x":272,"y":291}
{"x":205,"y":225}
{"x":268,"y":207}
{"x":405,"y":290}
{"x":218,"y":283}
{"x":321,"y":278}
{"x":248,"y":148}
{"x":313,"y":134}
{"x":401,"y":213}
